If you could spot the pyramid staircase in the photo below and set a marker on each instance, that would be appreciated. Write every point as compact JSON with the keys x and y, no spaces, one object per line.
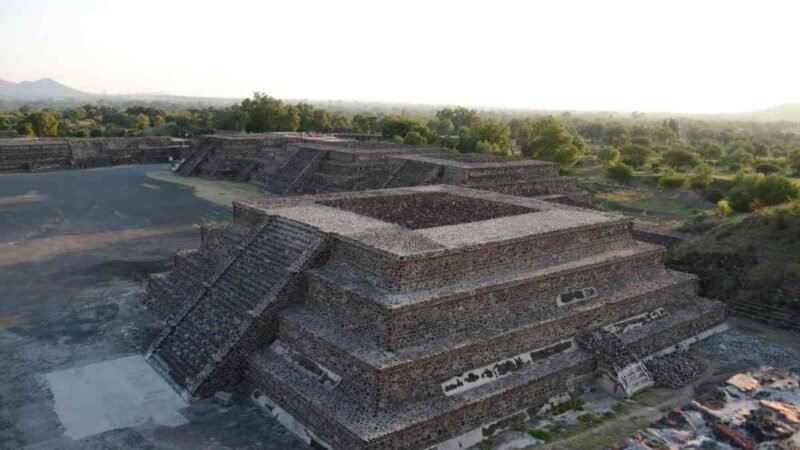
{"x":206,"y":339}
{"x":187,"y":167}
{"x":413,"y":173}
{"x":291,"y":177}
{"x":622,"y":372}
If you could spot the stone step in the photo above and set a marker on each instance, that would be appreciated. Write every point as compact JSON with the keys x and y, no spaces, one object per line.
{"x":341,"y":421}
{"x":489,"y":176}
{"x":168,"y":293}
{"x":399,"y":319}
{"x":414,"y":173}
{"x":395,"y":375}
{"x":292,"y":174}
{"x":544,"y":186}
{"x":233,"y":306}
{"x":188,"y":167}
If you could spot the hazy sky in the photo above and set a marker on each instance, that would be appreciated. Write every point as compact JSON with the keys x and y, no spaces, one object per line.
{"x":693,"y":56}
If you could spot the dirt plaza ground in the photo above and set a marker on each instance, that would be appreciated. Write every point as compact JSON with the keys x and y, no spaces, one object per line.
{"x":72,"y":329}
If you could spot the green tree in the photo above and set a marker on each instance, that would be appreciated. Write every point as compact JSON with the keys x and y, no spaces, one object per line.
{"x":548,"y":139}
{"x":489,"y":131}
{"x":636,"y":155}
{"x":159,"y":120}
{"x":141,"y":121}
{"x":25,"y":129}
{"x":664,"y":135}
{"x":593,"y":131}
{"x":44,"y":124}
{"x":742,"y":195}
{"x":620,"y":172}
{"x":459,"y":117}
{"x":364,"y":124}
{"x":264,"y":113}
{"x":392,"y":126}
{"x":414,"y":138}
{"x":775,"y":189}
{"x":738,"y":159}
{"x":711,"y":150}
{"x":672,"y":180}
{"x":794,"y":160}
{"x":680,"y":157}
{"x":616,"y":134}
{"x":608,"y":155}
{"x":702,"y":177}
{"x":321,"y":121}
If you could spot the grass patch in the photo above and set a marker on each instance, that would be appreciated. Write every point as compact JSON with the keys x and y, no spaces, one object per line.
{"x":575,"y":404}
{"x":753,"y":258}
{"x":220,"y":192}
{"x":29,"y":194}
{"x":652,"y":205}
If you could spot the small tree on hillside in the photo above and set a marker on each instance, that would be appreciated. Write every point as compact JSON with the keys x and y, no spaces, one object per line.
{"x":608,"y":155}
{"x":636,"y":155}
{"x":620,"y":172}
{"x":681,"y":157}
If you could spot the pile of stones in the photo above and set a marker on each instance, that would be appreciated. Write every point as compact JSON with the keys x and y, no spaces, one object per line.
{"x":675,"y":370}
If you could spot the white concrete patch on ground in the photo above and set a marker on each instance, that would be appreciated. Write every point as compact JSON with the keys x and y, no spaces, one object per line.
{"x":113,"y":394}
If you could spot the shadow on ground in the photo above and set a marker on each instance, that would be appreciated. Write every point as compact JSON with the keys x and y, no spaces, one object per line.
{"x":72,"y":246}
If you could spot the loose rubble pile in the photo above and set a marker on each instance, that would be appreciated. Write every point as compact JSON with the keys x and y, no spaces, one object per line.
{"x":759,"y":409}
{"x":742,"y":351}
{"x":675,"y":370}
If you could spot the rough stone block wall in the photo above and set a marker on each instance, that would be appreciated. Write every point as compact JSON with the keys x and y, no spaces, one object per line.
{"x":480,"y":305}
{"x":422,"y":434}
{"x":415,"y":378}
{"x":408,"y":274}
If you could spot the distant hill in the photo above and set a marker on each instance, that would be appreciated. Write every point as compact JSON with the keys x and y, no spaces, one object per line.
{"x":44,"y":88}
{"x":789,"y":112}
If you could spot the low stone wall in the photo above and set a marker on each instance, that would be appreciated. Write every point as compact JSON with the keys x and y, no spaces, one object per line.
{"x":659,"y":237}
{"x":21,"y":155}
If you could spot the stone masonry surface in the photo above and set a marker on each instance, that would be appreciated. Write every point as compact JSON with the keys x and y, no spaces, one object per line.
{"x":401,"y":318}
{"x":35,"y":155}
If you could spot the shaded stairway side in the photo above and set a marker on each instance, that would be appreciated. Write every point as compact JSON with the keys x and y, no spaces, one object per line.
{"x":202,"y":347}
{"x":413,"y":173}
{"x":297,"y":169}
{"x":188,"y":167}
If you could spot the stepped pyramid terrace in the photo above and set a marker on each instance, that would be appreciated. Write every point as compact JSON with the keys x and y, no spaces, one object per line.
{"x":418,"y":317}
{"x":290,"y":164}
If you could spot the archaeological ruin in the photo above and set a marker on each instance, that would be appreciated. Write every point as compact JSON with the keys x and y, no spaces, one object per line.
{"x":39,"y":155}
{"x":290,"y":164}
{"x":413,"y":298}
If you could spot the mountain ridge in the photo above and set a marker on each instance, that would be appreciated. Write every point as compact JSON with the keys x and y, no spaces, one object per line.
{"x":42,"y":88}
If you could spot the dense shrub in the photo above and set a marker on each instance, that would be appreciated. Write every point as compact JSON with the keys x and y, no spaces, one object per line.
{"x":608,"y":155}
{"x":673,"y":181}
{"x":768,"y":168}
{"x":414,"y":138}
{"x":620,"y":172}
{"x":775,"y":189}
{"x":636,"y":155}
{"x":723,"y":208}
{"x":751,"y":191}
{"x":702,"y":177}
